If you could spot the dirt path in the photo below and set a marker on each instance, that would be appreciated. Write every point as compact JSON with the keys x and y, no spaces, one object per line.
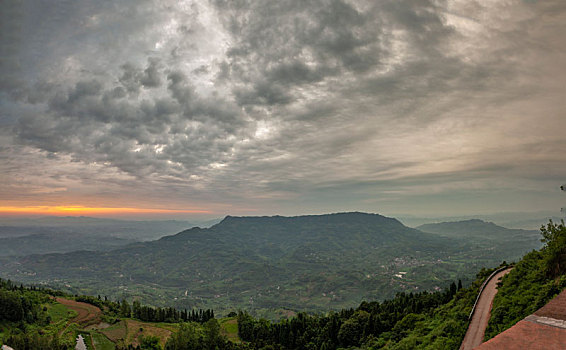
{"x":476,"y":329}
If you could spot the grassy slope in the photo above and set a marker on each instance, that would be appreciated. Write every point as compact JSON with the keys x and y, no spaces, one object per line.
{"x":440,"y":328}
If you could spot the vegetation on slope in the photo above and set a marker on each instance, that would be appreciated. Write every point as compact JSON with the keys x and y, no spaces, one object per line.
{"x":536,"y":279}
{"x":24,"y":317}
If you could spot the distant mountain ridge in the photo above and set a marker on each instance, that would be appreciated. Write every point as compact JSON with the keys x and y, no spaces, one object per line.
{"x":60,"y":242}
{"x":511,"y":220}
{"x":478,"y":228}
{"x":481,"y":233}
{"x":45,"y":235}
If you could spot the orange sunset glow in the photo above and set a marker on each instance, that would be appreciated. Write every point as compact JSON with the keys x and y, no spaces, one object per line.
{"x":77,"y":210}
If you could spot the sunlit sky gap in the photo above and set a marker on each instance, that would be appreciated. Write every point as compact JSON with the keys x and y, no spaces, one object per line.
{"x":86,"y":211}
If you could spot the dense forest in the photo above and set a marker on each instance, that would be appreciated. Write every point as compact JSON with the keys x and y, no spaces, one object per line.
{"x":372,"y":324}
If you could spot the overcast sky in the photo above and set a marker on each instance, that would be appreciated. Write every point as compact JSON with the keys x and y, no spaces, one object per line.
{"x":284,"y":107}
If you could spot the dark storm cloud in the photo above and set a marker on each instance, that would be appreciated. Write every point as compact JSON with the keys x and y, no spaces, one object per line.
{"x":140,"y":137}
{"x":281,"y":99}
{"x":297,"y":43}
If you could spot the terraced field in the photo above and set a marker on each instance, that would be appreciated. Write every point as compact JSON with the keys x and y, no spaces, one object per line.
{"x":86,"y":313}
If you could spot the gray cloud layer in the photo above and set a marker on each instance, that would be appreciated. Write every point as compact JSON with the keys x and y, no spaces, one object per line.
{"x":285,"y":106}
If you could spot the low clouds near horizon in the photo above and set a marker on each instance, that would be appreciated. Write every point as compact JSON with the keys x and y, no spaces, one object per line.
{"x":266,"y":107}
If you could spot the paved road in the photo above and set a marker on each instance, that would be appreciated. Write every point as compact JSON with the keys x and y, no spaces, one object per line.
{"x":476,"y":329}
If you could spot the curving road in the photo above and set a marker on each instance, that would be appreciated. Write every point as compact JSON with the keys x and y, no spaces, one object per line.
{"x":476,"y":329}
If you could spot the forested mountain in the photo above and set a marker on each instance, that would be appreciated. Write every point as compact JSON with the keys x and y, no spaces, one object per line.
{"x":268,"y":265}
{"x":32,"y":318}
